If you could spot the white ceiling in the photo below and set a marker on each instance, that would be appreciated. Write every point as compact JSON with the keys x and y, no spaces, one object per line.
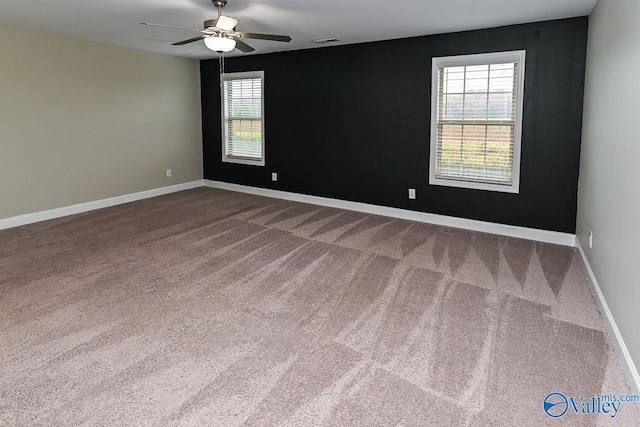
{"x":352,"y":21}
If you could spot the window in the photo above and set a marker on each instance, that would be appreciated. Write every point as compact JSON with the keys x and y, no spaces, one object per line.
{"x":243,"y":118}
{"x":476,"y":121}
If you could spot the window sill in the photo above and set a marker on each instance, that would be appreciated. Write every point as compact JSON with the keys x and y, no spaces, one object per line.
{"x":513,"y":188}
{"x":257,"y":162}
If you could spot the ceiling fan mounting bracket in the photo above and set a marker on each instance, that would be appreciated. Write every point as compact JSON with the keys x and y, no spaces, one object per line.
{"x":219,"y":3}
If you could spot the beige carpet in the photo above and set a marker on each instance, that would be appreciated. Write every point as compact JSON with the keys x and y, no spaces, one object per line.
{"x":208,"y":307}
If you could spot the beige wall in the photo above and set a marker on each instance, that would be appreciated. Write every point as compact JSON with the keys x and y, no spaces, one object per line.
{"x":83,"y":121}
{"x":609,"y":195}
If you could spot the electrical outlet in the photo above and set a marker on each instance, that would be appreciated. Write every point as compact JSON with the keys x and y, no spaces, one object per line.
{"x":168,"y":173}
{"x":412,"y":193}
{"x":274,"y":176}
{"x":590,"y":239}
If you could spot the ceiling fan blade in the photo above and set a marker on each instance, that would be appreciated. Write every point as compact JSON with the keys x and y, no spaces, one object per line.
{"x":174,"y":27}
{"x":271,"y":37}
{"x":243,"y":47}
{"x":226,"y":23}
{"x":195,"y":39}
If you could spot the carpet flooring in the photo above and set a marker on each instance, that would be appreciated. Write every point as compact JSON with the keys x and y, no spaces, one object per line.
{"x":209,"y":307}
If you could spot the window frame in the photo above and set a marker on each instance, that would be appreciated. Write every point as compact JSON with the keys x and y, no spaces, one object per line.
{"x":237,"y":159}
{"x":517,"y":56}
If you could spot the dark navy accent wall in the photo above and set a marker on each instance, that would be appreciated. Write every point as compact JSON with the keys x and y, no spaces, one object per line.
{"x":352,"y":122}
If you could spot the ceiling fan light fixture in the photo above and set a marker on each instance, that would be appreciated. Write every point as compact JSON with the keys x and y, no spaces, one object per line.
{"x":220,"y":43}
{"x":226,"y":23}
{"x":220,"y":34}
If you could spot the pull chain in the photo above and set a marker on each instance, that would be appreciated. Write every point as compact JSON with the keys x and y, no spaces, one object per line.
{"x":222,"y":127}
{"x":221,"y":62}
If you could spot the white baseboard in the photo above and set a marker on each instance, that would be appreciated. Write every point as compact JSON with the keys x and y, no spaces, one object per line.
{"x":31,"y":218}
{"x":564,"y":239}
{"x":617,"y":341}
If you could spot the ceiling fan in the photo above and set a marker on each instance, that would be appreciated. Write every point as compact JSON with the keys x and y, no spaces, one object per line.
{"x":220,"y":34}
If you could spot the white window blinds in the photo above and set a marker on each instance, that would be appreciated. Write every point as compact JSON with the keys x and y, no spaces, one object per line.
{"x":476,"y":128}
{"x":243,"y":118}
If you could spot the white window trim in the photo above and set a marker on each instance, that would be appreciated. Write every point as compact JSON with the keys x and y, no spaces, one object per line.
{"x":478,"y":59}
{"x":232,"y":159}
